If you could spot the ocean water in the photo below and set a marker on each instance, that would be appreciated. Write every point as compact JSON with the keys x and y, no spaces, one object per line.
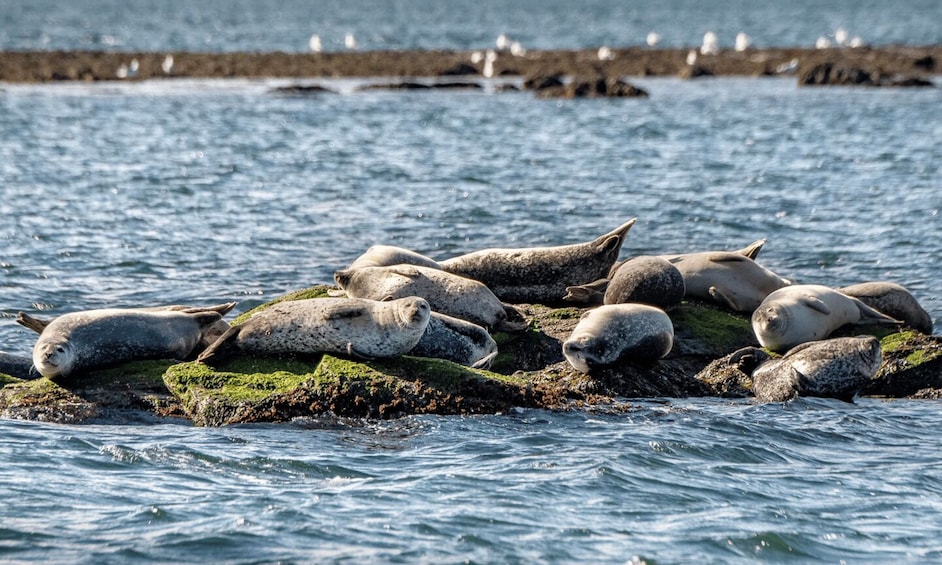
{"x":199,"y":192}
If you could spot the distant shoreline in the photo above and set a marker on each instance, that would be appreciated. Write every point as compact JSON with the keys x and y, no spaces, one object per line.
{"x":79,"y":65}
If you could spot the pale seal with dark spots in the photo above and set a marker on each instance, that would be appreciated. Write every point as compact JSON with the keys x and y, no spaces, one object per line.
{"x":346,"y":326}
{"x":540,"y":275}
{"x":730,"y":278}
{"x":456,"y":340}
{"x":615,"y":333}
{"x":92,"y":339}
{"x":798,"y":314}
{"x":893,"y":300}
{"x":447,"y":293}
{"x":833,"y":368}
{"x":387,"y":255}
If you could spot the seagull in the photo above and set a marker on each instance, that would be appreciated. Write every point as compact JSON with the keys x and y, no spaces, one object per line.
{"x":691,"y":57}
{"x":742,"y":41}
{"x":840,"y":36}
{"x":855,"y":42}
{"x":606,"y":54}
{"x":167,"y":65}
{"x":315,"y":43}
{"x":489,"y":59}
{"x":710,"y":45}
{"x":133,"y":68}
{"x":653,"y":39}
{"x":822,"y":43}
{"x":503,"y":42}
{"x":350,"y":41}
{"x":517,"y":50}
{"x":477,"y":57}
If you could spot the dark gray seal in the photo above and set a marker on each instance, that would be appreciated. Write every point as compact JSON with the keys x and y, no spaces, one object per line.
{"x":456,"y":340}
{"x":345,"y":326}
{"x":540,"y":275}
{"x":832,"y":368}
{"x":82,"y":341}
{"x":644,"y":280}
{"x":614,"y":333}
{"x":893,"y":300}
{"x":18,"y":366}
{"x":387,"y":255}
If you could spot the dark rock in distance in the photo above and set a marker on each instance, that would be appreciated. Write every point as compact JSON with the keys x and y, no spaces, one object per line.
{"x":599,"y":87}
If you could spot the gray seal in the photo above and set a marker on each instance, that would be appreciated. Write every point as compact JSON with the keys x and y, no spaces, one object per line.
{"x":540,"y":275}
{"x":346,"y":326}
{"x":644,"y":280}
{"x":833,"y":368}
{"x":893,"y":300}
{"x":18,"y":366}
{"x":456,"y":340}
{"x":82,"y":341}
{"x":387,"y":255}
{"x":614,"y":333}
{"x":447,"y":293}
{"x":729,"y":278}
{"x":798,"y":314}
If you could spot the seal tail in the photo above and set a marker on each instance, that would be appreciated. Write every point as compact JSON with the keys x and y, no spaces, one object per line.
{"x":223,"y":348}
{"x":752,"y":250}
{"x":616,"y":236}
{"x":222,"y":309}
{"x":29,"y":322}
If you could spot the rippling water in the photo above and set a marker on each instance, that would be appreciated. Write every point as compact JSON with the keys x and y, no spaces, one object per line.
{"x":206,"y":191}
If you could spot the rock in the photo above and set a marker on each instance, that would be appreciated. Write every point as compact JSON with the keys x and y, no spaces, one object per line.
{"x":838,"y":74}
{"x":301,"y":90}
{"x":600,"y":87}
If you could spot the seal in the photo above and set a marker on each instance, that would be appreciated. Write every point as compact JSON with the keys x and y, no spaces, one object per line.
{"x":644,"y":280}
{"x":456,"y":340}
{"x":833,"y":368}
{"x":18,"y":366}
{"x":730,"y":278}
{"x":614,"y":333}
{"x":387,"y":255}
{"x":345,"y":326}
{"x":81,"y":341}
{"x":894,"y":300}
{"x":797,"y":314}
{"x":540,"y":275}
{"x":447,"y":293}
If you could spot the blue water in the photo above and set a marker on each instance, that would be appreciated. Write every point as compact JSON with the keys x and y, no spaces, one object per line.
{"x":207,"y":191}
{"x":286,"y":25}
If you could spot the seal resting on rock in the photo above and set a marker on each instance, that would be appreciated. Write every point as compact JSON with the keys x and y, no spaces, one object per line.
{"x":797,"y":314}
{"x":456,"y":340}
{"x":18,"y":366}
{"x":386,"y":255}
{"x":347,"y":326}
{"x":540,"y":275}
{"x":92,"y":339}
{"x":833,"y":368}
{"x":644,"y":280}
{"x":614,"y":333}
{"x":447,"y":293}
{"x":894,"y":301}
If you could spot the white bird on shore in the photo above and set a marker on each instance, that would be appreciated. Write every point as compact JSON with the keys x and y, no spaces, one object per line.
{"x":742,"y":41}
{"x":840,"y":36}
{"x":315,"y":43}
{"x":517,"y":50}
{"x":711,"y":44}
{"x":822,"y":43}
{"x":349,"y":41}
{"x":489,"y":59}
{"x":606,"y":54}
{"x":477,"y":57}
{"x":857,"y":41}
{"x":691,"y":57}
{"x":167,"y":65}
{"x":503,"y":42}
{"x":653,"y":39}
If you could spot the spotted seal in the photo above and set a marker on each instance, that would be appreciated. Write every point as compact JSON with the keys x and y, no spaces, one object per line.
{"x":614,"y":333}
{"x":387,"y":255}
{"x":730,"y":278}
{"x":894,"y":300}
{"x":833,"y":368}
{"x":81,"y":341}
{"x":346,"y":326}
{"x":456,"y":340}
{"x":796,"y":314}
{"x":17,"y":366}
{"x":447,"y":293}
{"x":643,"y":279}
{"x":540,"y":275}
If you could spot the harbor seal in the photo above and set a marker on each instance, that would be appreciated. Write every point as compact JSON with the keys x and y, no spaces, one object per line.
{"x":387,"y":255}
{"x":729,"y":278}
{"x":456,"y":340}
{"x":81,"y":341}
{"x":893,"y":300}
{"x":614,"y":333}
{"x":644,"y":279}
{"x":18,"y":366}
{"x":797,"y":314}
{"x":347,"y":326}
{"x":540,"y":275}
{"x":447,"y":293}
{"x":833,"y":368}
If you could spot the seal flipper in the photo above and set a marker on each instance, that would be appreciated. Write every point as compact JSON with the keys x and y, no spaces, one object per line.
{"x":816,"y":304}
{"x":32,"y":323}
{"x":752,"y":250}
{"x":613,"y":239}
{"x":514,"y":322}
{"x":222,"y":309}
{"x":592,"y":293}
{"x":484,"y":362}
{"x":352,"y":352}
{"x":869,"y":315}
{"x":223,"y":348}
{"x":344,"y":312}
{"x":726,"y":299}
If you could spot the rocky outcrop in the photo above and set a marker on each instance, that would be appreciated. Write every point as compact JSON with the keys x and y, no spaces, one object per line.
{"x":838,"y":74}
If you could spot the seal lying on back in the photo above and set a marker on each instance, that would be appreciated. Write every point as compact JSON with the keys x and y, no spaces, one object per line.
{"x":387,"y":255}
{"x":798,"y":314}
{"x":540,"y":275}
{"x":83,"y":341}
{"x":614,"y":333}
{"x":456,"y":340}
{"x":643,"y":279}
{"x":346,"y":326}
{"x":448,"y":294}
{"x":894,"y":301}
{"x":730,"y":278}
{"x":833,"y":368}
